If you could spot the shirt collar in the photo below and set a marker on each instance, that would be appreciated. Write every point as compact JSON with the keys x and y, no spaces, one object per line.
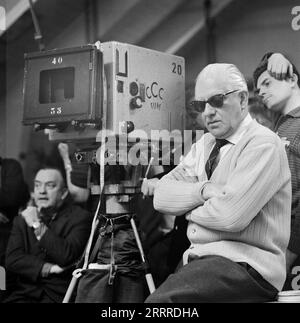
{"x":235,"y":137}
{"x":295,"y":113}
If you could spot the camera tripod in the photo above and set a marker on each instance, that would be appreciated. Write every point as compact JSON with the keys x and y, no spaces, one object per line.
{"x":107,"y":229}
{"x":118,"y":200}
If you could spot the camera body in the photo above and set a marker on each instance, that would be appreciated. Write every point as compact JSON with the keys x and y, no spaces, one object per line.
{"x":121,"y":88}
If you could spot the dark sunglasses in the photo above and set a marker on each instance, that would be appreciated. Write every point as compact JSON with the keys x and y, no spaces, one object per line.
{"x":216,"y":101}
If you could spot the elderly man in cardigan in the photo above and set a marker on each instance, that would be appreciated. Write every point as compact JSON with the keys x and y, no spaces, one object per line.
{"x":234,"y":187}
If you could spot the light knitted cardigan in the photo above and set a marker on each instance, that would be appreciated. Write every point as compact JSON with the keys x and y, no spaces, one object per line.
{"x":250,"y":222}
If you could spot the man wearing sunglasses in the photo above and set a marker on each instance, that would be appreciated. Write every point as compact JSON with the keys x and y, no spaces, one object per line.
{"x":234,"y":188}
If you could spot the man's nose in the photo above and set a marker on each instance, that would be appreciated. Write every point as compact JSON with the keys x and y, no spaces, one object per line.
{"x":261,"y":92}
{"x":209,"y":110}
{"x":42,"y":189}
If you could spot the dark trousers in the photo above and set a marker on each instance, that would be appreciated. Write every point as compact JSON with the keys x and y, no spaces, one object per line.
{"x":214,"y":279}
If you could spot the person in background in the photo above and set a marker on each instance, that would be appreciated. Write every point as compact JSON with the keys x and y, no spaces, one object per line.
{"x":77,"y":176}
{"x":261,"y":114}
{"x":13,"y":195}
{"x":47,"y":239}
{"x":278,"y":84}
{"x":234,"y":188}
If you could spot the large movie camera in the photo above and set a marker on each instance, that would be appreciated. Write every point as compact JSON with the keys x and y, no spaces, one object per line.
{"x":121,"y":104}
{"x":78,"y":91}
{"x":126,"y":100}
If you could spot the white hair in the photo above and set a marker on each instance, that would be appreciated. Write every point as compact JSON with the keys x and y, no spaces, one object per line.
{"x":227,"y":73}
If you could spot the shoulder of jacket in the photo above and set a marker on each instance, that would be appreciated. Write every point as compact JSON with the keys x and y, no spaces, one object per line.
{"x":10,"y":163}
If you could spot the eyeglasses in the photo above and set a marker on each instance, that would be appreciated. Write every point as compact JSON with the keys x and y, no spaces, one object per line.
{"x":216,"y":101}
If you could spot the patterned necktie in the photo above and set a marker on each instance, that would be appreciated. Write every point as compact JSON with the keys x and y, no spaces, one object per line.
{"x":213,"y":156}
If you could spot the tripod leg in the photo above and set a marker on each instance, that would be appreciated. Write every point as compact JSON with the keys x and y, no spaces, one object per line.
{"x":72,"y":285}
{"x":70,"y":290}
{"x":148,"y":275}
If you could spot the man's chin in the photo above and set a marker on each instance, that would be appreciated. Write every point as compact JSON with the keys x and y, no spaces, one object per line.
{"x":276,"y":107}
{"x":43,"y":204}
{"x":270,"y":106}
{"x":217,"y":132}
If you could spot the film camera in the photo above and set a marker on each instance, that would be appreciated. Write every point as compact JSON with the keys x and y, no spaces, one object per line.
{"x":133,"y":95}
{"x":124,"y":88}
{"x":108,"y":98}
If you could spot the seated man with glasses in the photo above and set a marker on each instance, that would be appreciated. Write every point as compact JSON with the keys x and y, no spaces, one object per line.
{"x":47,"y":238}
{"x":234,"y":188}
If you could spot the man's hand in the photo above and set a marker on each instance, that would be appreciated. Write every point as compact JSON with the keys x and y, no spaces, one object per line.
{"x":212,"y":190}
{"x":64,"y":153}
{"x":290,"y":259}
{"x":180,"y":173}
{"x":49,"y":268}
{"x":55,"y":269}
{"x":209,"y":190}
{"x":279,"y":67}
{"x":148,"y":186}
{"x":30,"y":215}
{"x":63,"y":150}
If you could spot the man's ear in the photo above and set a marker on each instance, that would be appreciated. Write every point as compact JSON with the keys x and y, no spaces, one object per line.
{"x":294,"y":79}
{"x":244,"y":99}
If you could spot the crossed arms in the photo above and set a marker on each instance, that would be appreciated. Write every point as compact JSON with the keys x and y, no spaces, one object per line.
{"x":232,"y":206}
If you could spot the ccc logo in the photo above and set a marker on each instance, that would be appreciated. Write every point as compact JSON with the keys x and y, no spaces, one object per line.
{"x":154,"y":91}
